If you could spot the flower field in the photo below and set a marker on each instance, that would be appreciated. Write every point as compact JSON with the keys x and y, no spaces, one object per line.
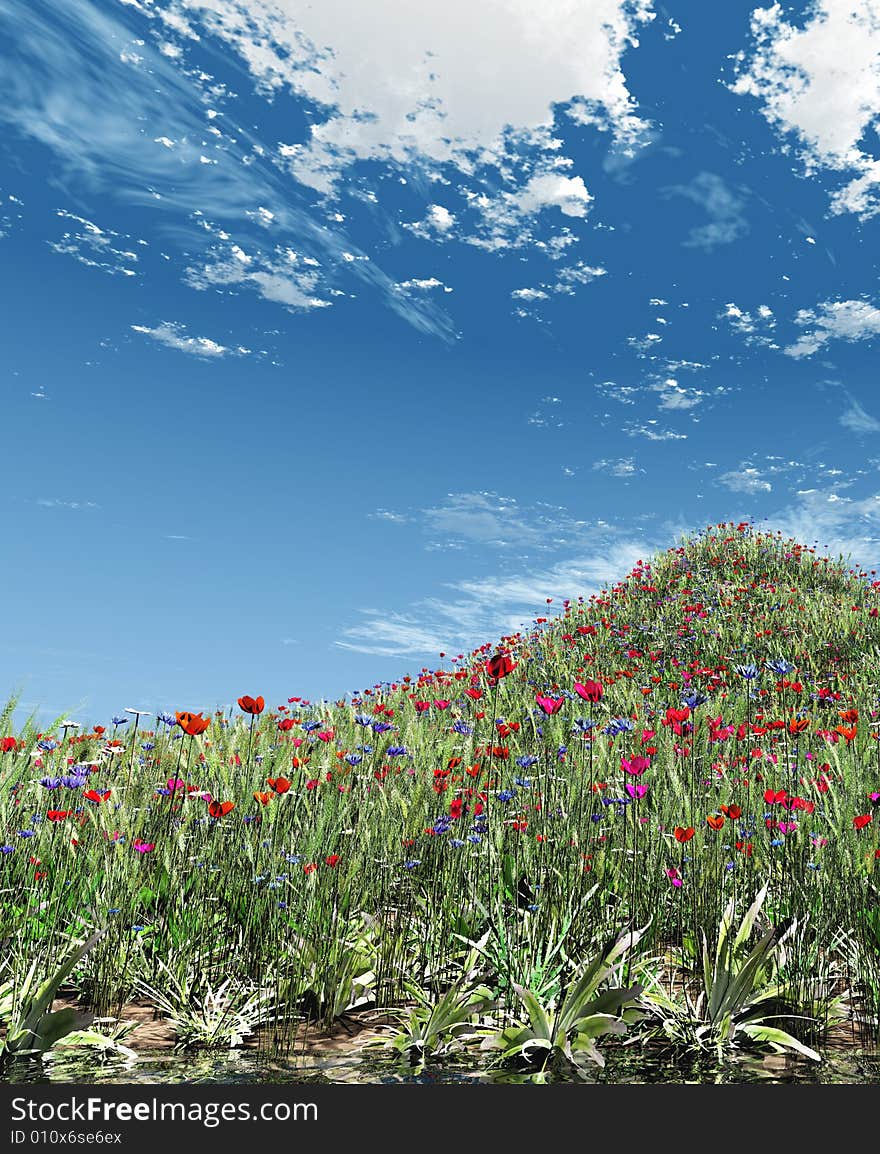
{"x":650,"y":819}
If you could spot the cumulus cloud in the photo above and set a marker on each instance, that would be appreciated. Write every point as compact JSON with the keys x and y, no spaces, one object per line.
{"x":818,"y":84}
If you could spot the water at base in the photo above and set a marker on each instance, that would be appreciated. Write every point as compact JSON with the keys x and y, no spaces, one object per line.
{"x":623,"y":1066}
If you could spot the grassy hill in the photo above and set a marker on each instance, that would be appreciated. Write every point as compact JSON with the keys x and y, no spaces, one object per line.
{"x":605,"y":790}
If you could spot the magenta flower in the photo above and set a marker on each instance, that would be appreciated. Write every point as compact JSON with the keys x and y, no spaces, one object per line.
{"x":636,"y":766}
{"x":144,"y":846}
{"x":589,"y":690}
{"x":550,"y":705}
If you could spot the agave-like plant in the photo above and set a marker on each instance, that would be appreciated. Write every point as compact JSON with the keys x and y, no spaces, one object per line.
{"x":32,"y":1026}
{"x":740,"y":995}
{"x":564,"y":1030}
{"x":204,"y":1016}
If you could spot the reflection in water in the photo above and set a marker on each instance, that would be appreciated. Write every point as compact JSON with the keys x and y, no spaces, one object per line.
{"x":248,"y":1067}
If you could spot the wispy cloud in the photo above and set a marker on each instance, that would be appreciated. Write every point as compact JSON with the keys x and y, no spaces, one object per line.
{"x":96,"y":247}
{"x":624,"y":467}
{"x":65,"y":503}
{"x":724,"y":208}
{"x":856,"y":420}
{"x":480,"y":608}
{"x":745,"y":480}
{"x":174,"y":336}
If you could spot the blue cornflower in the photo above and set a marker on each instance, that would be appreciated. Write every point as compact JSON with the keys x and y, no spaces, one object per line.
{"x":166,"y":719}
{"x":381,"y":727}
{"x":561,"y":752}
{"x":148,"y":745}
{"x":583,"y":724}
{"x":618,"y":725}
{"x":462,"y":727}
{"x":412,"y":863}
{"x":353,"y":758}
{"x":749,"y":672}
{"x":113,"y":910}
{"x":73,"y":781}
{"x":309,"y":726}
{"x":522,"y":782}
{"x":395,"y":751}
{"x":474,"y":838}
{"x":507,"y":795}
{"x":125,"y":720}
{"x":526,"y":761}
{"x":456,"y":841}
{"x":363,"y":719}
{"x":50,"y":782}
{"x":778,"y":841}
{"x":779,"y":666}
{"x":6,"y":849}
{"x":692,"y":700}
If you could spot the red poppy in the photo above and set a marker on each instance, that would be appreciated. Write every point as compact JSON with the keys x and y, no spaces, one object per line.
{"x":859,"y":822}
{"x":715,"y":821}
{"x":263,"y":798}
{"x":252,"y":705}
{"x":97,"y":796}
{"x":220,"y":808}
{"x":278,"y":784}
{"x":682,"y":834}
{"x":734,"y":812}
{"x":332,"y":859}
{"x":499,"y":666}
{"x":774,"y":797}
{"x":286,"y":723}
{"x":192,"y":723}
{"x":7,"y":744}
{"x":61,"y":814}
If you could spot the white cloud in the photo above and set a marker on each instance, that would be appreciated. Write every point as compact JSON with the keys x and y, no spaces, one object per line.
{"x":849,"y":320}
{"x":174,"y":336}
{"x":468,"y":91}
{"x":746,"y":480}
{"x":424,"y":284}
{"x":439,"y":83}
{"x":754,"y":326}
{"x":819,"y":85}
{"x":565,"y":282}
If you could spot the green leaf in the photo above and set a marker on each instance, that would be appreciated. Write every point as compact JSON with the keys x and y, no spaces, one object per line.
{"x":779,"y":1039}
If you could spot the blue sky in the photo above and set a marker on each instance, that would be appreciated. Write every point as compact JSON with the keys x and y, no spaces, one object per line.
{"x":340,"y":335}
